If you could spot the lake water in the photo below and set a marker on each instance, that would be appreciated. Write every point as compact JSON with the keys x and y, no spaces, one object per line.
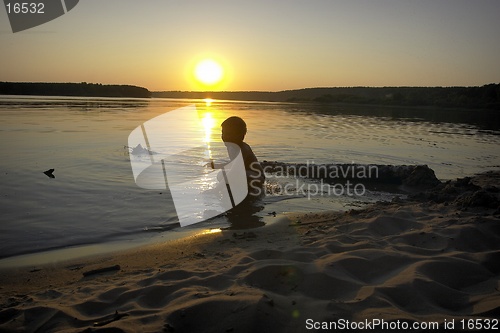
{"x":93,"y":198}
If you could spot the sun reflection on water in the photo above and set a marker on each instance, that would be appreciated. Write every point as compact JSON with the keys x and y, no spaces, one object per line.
{"x":208,"y":101}
{"x":208,"y":123}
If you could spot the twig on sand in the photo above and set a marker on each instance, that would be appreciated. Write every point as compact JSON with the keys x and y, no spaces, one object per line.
{"x":115,"y":317}
{"x":102,"y":270}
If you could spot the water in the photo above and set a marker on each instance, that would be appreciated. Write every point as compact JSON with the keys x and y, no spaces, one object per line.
{"x":93,"y":198}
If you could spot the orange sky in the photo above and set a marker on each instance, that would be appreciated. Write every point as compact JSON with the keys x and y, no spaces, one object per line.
{"x":262,"y":45}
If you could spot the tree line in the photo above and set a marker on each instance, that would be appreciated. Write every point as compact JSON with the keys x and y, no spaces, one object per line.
{"x":83,"y":89}
{"x":486,"y":97}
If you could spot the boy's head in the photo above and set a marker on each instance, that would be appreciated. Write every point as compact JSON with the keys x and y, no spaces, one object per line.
{"x":233,"y":130}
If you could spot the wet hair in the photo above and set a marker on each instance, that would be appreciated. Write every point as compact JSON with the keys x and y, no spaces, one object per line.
{"x":235,"y":125}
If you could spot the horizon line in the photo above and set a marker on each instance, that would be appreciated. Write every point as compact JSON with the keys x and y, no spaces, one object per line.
{"x":305,"y":88}
{"x":253,"y":91}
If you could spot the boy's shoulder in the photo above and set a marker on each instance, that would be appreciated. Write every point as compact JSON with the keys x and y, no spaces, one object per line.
{"x":245,"y":145}
{"x":245,"y":148}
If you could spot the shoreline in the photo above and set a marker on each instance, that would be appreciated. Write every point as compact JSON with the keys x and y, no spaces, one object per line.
{"x":273,"y":204}
{"x":432,"y":257}
{"x":86,"y":251}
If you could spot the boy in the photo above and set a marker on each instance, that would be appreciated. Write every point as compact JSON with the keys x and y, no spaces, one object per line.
{"x":234,"y":130}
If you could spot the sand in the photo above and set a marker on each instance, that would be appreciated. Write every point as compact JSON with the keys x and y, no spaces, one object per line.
{"x":433,"y":258}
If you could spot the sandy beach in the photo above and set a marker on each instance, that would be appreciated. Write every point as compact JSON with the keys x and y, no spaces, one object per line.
{"x":433,"y":259}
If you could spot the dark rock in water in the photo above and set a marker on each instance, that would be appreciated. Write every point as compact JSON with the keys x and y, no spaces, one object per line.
{"x":49,"y":173}
{"x":420,"y":176}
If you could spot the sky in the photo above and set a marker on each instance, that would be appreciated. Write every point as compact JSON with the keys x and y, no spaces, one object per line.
{"x":261,"y":45}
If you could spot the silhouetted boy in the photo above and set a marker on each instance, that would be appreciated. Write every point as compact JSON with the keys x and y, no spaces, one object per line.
{"x":234,"y":130}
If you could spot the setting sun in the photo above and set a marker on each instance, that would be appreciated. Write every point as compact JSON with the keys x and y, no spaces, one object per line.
{"x":208,"y":72}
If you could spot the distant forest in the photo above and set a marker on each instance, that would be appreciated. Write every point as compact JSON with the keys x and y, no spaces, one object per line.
{"x":485,"y":97}
{"x":72,"y":89}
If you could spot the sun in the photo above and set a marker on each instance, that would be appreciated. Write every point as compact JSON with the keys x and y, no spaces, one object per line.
{"x":208,"y":72}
